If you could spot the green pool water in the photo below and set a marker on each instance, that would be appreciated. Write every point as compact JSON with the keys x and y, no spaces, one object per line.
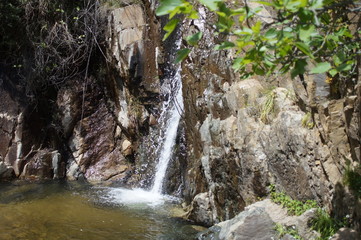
{"x":49,"y":211}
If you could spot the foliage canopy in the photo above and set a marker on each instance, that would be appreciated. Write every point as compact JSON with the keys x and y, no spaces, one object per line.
{"x":303,"y":36}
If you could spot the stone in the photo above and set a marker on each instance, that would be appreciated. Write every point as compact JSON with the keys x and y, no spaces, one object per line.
{"x":304,"y":222}
{"x":243,"y":93}
{"x":129,"y":17}
{"x":258,"y":221}
{"x":127,"y":148}
{"x":152,"y":120}
{"x":73,"y":171}
{"x":55,"y":163}
{"x":39,"y":167}
{"x":6,"y":172}
{"x":248,"y":225}
{"x":201,"y":209}
{"x":251,"y":224}
{"x":346,"y":234}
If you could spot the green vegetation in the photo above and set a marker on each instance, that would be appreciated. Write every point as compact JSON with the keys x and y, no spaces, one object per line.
{"x":282,"y":231}
{"x":306,"y":36}
{"x":294,"y":207}
{"x":307,"y":121}
{"x":268,"y":106}
{"x":323,"y":223}
{"x":353,"y":180}
{"x":47,"y":42}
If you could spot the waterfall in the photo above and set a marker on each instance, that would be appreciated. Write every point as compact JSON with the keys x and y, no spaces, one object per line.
{"x":171,"y":115}
{"x":169,"y":120}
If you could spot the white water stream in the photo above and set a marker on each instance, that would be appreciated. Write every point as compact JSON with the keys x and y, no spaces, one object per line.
{"x":169,"y":121}
{"x":174,"y":106}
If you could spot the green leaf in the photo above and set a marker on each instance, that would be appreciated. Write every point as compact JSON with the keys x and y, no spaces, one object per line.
{"x":304,"y":48}
{"x":256,"y":28}
{"x":271,"y":33}
{"x":316,"y":4}
{"x":166,"y":6}
{"x":306,"y":32}
{"x":182,"y":54}
{"x":299,"y":68}
{"x":266,"y":3}
{"x":333,"y":72}
{"x":339,"y":58}
{"x":238,"y":64}
{"x":211,"y":4}
{"x":224,"y":45}
{"x":169,"y":28}
{"x":193,"y":40}
{"x":305,"y":16}
{"x":321,"y":67}
{"x":344,"y":67}
{"x":244,"y":31}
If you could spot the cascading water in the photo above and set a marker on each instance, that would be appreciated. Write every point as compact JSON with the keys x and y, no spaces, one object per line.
{"x":174,"y":107}
{"x":169,"y":120}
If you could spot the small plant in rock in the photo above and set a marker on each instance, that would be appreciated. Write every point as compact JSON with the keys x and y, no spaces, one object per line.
{"x":268,"y":106}
{"x":322,"y":223}
{"x":352,"y":179}
{"x":294,"y":207}
{"x":307,"y":121}
{"x":325,"y":224}
{"x":283,"y":230}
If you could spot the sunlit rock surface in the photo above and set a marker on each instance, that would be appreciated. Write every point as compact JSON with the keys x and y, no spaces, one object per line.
{"x":258,"y":221}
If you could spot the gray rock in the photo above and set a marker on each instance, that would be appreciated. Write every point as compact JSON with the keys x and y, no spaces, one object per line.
{"x":346,"y":234}
{"x":252,"y":224}
{"x":6,"y":172}
{"x":201,"y":211}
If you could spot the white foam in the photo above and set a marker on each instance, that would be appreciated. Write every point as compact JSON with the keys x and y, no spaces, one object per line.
{"x":135,"y":197}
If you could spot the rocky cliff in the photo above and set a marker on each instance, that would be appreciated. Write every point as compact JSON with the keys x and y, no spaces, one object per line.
{"x":243,"y":135}
{"x":89,"y":126}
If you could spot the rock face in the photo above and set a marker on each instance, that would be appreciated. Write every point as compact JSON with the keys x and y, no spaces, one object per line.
{"x":89,"y":128}
{"x":236,"y":147}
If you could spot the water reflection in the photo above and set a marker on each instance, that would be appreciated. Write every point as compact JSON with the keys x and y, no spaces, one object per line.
{"x":72,"y":211}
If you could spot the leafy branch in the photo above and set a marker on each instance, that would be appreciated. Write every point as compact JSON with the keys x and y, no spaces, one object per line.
{"x":306,"y":36}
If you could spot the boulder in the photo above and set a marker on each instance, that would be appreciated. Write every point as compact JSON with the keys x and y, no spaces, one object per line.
{"x":39,"y":167}
{"x":251,"y":224}
{"x":258,"y":221}
{"x":201,"y":209}
{"x":6,"y":172}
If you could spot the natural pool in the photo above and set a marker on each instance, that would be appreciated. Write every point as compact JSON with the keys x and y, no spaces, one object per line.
{"x":62,"y":210}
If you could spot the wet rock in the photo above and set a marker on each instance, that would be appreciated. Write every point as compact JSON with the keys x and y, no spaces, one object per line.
{"x":69,"y":109}
{"x":201,"y":209}
{"x":73,"y":171}
{"x":41,"y":166}
{"x":10,"y":128}
{"x":95,"y":151}
{"x":6,"y":172}
{"x":152,"y":120}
